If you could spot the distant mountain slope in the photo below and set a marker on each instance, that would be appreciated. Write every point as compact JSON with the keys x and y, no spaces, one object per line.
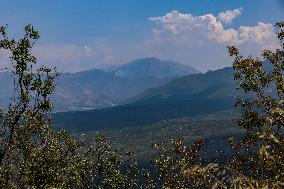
{"x":153,"y":67}
{"x":213,"y":84}
{"x":192,"y":95}
{"x":96,"y":89}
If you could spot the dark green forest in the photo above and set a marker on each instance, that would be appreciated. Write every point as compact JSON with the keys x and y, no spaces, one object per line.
{"x":175,"y":148}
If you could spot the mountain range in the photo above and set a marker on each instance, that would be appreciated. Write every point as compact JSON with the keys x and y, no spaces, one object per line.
{"x":193,"y":95}
{"x":136,"y":94}
{"x":97,"y":88}
{"x":154,"y":68}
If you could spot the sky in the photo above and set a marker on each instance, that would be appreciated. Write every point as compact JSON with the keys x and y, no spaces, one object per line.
{"x":81,"y":35}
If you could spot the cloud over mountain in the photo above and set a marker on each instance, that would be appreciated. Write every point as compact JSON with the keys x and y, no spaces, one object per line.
{"x":211,"y":28}
{"x":206,"y":35}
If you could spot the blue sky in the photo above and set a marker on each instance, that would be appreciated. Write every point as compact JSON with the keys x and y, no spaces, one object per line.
{"x":80,"y":35}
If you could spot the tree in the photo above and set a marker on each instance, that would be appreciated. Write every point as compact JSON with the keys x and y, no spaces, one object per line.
{"x":260,"y":154}
{"x":32,"y":153}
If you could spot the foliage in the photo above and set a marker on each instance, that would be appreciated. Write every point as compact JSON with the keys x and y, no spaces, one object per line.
{"x":25,"y":131}
{"x":260,"y":154}
{"x":177,"y":166}
{"x":102,"y":166}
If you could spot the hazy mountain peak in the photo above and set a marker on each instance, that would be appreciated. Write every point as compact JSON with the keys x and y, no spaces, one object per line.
{"x":154,"y":67}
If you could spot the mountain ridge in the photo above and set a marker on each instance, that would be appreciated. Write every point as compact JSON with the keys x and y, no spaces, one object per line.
{"x":153,"y":67}
{"x":193,"y":95}
{"x":95,"y":89}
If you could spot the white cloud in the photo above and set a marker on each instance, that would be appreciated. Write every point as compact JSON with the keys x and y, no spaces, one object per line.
{"x":194,"y":38}
{"x":229,"y":15}
{"x":208,"y":26}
